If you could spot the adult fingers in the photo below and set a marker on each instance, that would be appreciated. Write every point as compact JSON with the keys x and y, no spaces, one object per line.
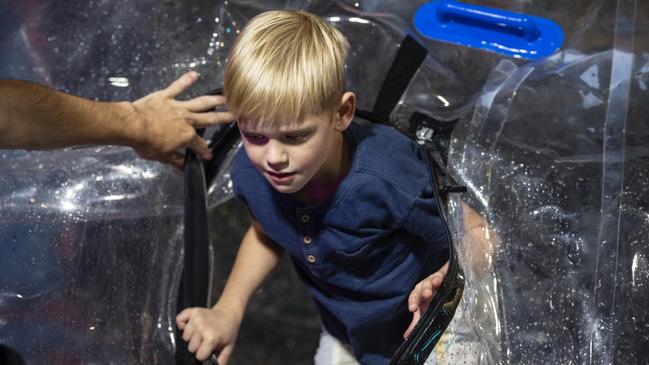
{"x":207,"y":119}
{"x":181,"y":84}
{"x":174,"y":158}
{"x":202,"y":103}
{"x":200,"y":147}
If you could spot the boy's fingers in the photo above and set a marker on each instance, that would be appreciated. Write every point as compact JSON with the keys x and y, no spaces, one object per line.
{"x":181,"y":84}
{"x":183,"y":317}
{"x":224,"y":355}
{"x":205,"y":351}
{"x":437,"y":279}
{"x":415,"y":319}
{"x":194,"y":343}
{"x":445,"y":268}
{"x":414,"y":299}
{"x":431,"y":286}
{"x":188,"y":332}
{"x":427,"y":286}
{"x":415,"y":304}
{"x":181,"y":325}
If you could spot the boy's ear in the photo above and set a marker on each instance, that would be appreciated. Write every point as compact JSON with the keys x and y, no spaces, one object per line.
{"x":345,"y":113}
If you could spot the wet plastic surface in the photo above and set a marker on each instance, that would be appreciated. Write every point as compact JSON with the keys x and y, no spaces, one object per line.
{"x":557,"y":166}
{"x":552,"y":237}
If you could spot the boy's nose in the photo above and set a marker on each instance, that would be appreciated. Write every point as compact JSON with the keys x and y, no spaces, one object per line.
{"x":276,"y":156}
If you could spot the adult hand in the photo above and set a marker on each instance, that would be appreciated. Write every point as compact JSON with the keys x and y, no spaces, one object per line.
{"x":208,"y":330}
{"x":421,"y":296}
{"x":167,"y":124}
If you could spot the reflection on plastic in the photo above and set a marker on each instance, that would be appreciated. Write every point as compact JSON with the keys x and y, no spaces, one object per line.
{"x":90,"y":237}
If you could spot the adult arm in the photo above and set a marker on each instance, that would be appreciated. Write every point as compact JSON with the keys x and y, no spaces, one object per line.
{"x":208,"y":330}
{"x":33,"y":116}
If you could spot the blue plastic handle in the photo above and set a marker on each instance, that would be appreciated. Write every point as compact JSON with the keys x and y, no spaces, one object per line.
{"x":520,"y":24}
{"x":498,"y":30}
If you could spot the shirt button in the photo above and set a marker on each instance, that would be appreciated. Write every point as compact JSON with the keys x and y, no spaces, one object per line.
{"x":305,"y":218}
{"x":311,"y":258}
{"x":307,"y":239}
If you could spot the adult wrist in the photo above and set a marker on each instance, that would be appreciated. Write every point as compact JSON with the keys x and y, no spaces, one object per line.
{"x":132,"y":131}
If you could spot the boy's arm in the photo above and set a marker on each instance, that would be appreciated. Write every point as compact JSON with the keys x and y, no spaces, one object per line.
{"x":257,"y":257}
{"x":216,"y":329}
{"x":33,"y":116}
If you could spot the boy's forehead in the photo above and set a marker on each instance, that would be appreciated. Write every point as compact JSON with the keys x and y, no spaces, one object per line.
{"x":259,"y":125}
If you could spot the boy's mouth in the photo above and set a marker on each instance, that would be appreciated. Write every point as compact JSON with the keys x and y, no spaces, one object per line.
{"x":280,"y":175}
{"x":280,"y":178}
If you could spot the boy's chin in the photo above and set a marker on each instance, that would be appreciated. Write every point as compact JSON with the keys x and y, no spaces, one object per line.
{"x":287,"y":189}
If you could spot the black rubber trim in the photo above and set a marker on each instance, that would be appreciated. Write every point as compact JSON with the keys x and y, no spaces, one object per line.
{"x":409,"y":58}
{"x":428,"y":331}
{"x":193,"y":290}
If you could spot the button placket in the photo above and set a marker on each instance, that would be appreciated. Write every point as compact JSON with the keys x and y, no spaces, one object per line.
{"x":308,"y":248}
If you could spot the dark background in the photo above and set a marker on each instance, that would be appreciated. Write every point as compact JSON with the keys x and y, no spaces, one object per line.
{"x":281,"y":325}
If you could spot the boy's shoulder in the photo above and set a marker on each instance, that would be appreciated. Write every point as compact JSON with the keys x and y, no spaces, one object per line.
{"x":383,"y":151}
{"x":240,"y":162}
{"x":243,"y":173}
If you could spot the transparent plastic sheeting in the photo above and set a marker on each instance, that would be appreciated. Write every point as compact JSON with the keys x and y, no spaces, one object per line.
{"x":89,"y":253}
{"x":91,"y":237}
{"x":552,"y":235}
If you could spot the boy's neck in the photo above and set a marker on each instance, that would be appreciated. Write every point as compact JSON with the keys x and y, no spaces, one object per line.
{"x":319,"y":190}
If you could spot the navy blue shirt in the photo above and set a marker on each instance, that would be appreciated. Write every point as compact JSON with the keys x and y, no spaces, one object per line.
{"x":363,"y":251}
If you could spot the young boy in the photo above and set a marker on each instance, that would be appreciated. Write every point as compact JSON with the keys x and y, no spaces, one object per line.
{"x":350,"y":201}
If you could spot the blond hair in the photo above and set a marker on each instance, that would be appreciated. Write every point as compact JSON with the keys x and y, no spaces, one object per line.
{"x":285,"y":64}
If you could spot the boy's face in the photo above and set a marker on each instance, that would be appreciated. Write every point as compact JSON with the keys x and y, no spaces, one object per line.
{"x":289,"y":156}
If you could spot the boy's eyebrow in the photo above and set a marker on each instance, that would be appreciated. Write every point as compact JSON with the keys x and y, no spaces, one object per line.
{"x":300,"y":130}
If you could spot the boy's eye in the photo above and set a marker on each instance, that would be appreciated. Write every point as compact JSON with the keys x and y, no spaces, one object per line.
{"x":297,"y":138}
{"x":255,"y":138}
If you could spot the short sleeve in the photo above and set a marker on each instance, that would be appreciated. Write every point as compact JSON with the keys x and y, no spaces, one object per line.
{"x":239,"y":168}
{"x":236,"y":189}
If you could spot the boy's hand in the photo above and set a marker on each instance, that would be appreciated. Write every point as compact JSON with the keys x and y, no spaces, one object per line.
{"x":422,"y":294}
{"x":208,"y":330}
